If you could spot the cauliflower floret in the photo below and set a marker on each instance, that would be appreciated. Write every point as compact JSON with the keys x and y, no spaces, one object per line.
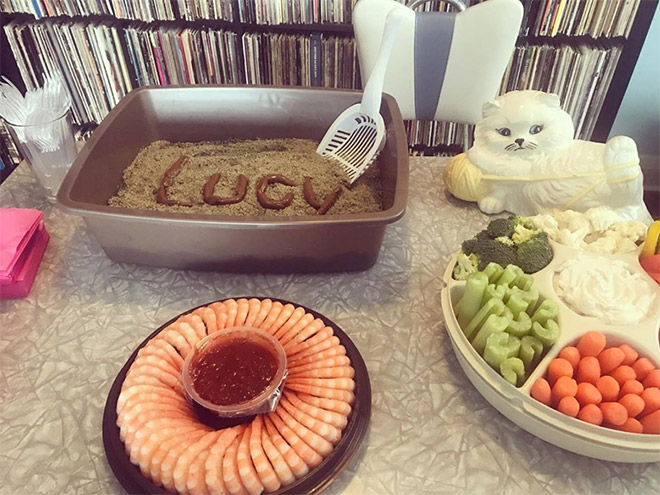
{"x":572,"y":239}
{"x":546,"y":222}
{"x":574,"y":221}
{"x":604,"y":244}
{"x":633,"y":230}
{"x":602,"y":217}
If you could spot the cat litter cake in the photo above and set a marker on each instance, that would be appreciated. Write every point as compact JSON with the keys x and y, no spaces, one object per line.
{"x":251,"y":177}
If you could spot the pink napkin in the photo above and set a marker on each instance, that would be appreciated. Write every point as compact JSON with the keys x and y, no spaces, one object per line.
{"x":23,"y":240}
{"x":17,"y":226}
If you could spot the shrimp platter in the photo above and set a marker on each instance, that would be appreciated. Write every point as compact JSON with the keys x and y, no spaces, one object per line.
{"x":304,"y":442}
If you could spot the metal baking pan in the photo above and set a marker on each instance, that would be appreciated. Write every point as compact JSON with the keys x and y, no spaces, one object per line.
{"x":222,"y":242}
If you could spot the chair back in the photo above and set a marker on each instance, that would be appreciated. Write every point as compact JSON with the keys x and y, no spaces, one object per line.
{"x":444,"y":65}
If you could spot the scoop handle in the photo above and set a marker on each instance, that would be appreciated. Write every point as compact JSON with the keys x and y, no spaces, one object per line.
{"x":374,"y":88}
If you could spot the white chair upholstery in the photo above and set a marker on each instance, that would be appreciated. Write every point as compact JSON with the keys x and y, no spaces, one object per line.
{"x":473,"y":47}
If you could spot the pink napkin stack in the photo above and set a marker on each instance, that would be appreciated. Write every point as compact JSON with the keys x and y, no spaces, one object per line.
{"x":23,"y":240}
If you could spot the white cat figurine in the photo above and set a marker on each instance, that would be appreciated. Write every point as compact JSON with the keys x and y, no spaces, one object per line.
{"x":524,"y":145}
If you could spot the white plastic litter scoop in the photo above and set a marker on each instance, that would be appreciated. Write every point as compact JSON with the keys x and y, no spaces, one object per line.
{"x":357,"y":136}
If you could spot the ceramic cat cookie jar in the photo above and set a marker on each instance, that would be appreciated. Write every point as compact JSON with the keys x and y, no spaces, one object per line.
{"x":524,"y":160}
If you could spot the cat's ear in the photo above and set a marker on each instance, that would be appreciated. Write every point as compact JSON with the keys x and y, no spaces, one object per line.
{"x":550,"y":99}
{"x":490,"y":107}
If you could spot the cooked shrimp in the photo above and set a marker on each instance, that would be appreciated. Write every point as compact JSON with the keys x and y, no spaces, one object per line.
{"x":333,"y":418}
{"x":172,"y":458}
{"x":208,"y":317}
{"x":232,"y":309}
{"x":155,"y":377}
{"x":311,"y":351}
{"x":287,"y":334}
{"x":282,"y":469}
{"x":164,"y":350}
{"x":242,"y":310}
{"x":302,"y":358}
{"x":325,"y":430}
{"x":297,"y":465}
{"x":256,"y":320}
{"x":175,"y":339}
{"x":267,"y":475}
{"x":320,"y":335}
{"x":338,"y":406}
{"x":186,"y":460}
{"x":174,"y":444}
{"x":272,"y":316}
{"x":315,"y":441}
{"x":196,"y":322}
{"x":330,"y":362}
{"x":297,"y":314}
{"x":328,"y":393}
{"x":254,"y":306}
{"x":298,"y":335}
{"x":141,"y":434}
{"x":161,"y":370}
{"x":213,"y":477}
{"x":152,"y":397}
{"x":133,"y":422}
{"x":152,"y":360}
{"x":230,"y":475}
{"x":185,"y":329}
{"x":310,"y":456}
{"x":220,"y":311}
{"x":127,"y":392}
{"x":336,"y":383}
{"x":335,"y":372}
{"x":283,"y":316}
{"x":246,"y":470}
{"x":147,"y":441}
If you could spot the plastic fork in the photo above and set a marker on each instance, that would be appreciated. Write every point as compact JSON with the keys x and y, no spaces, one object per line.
{"x":357,"y":136}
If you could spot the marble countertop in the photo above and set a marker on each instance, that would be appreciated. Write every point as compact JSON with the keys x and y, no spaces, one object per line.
{"x":430,"y":431}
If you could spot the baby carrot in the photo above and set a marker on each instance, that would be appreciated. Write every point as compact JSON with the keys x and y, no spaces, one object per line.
{"x":632,"y":387}
{"x":570,"y":354}
{"x":651,"y":398}
{"x":623,"y":373}
{"x":608,"y":388}
{"x":541,"y":391}
{"x":559,"y":367}
{"x":565,"y":386}
{"x":610,"y":359}
{"x":569,"y":406}
{"x":591,"y":344}
{"x":587,"y":393}
{"x":642,"y":367}
{"x":630,"y":354}
{"x":631,"y":426}
{"x":652,"y":379}
{"x":591,"y":413}
{"x":651,"y":422}
{"x":588,"y":369}
{"x":613,"y":412}
{"x":634,"y":404}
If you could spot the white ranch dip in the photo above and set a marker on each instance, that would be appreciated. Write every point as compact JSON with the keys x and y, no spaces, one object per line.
{"x":604,"y":288}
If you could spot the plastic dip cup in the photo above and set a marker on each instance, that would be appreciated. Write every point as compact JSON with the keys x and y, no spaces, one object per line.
{"x":235,"y":372}
{"x":49,"y":148}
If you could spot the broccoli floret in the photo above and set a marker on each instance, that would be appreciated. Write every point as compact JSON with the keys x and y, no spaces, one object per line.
{"x":524,"y":230}
{"x":502,"y":227}
{"x":465,"y":265}
{"x":470,"y":246}
{"x":492,"y":251}
{"x":534,"y":253}
{"x":507,"y":241}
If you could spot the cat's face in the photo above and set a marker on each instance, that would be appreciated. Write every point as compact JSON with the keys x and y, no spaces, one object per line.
{"x":524,"y":124}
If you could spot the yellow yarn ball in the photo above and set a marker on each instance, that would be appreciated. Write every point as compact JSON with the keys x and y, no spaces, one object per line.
{"x":464,"y":180}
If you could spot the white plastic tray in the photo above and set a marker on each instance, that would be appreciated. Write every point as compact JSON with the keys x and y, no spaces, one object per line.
{"x":536,"y":418}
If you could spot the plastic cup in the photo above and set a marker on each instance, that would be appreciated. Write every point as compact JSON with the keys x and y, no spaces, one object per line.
{"x":263,"y":402}
{"x":49,"y":148}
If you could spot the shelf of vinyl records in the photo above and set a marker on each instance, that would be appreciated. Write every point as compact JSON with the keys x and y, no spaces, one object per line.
{"x":595,"y":18}
{"x":108,"y":53}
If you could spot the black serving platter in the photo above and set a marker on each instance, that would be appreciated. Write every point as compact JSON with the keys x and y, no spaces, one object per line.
{"x":317,"y":480}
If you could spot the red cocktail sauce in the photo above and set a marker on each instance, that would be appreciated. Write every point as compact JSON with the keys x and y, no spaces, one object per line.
{"x":234,"y":372}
